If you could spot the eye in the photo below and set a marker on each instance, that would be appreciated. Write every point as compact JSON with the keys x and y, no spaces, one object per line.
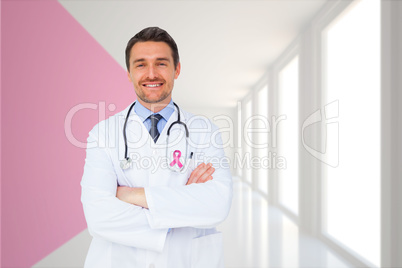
{"x":140,"y":65}
{"x":162,"y":64}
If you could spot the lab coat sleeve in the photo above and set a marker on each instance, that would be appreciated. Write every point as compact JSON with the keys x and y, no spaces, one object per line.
{"x":108,"y":217}
{"x":199,"y":205}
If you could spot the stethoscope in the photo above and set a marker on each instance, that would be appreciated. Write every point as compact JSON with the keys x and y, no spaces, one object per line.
{"x":177,"y":165}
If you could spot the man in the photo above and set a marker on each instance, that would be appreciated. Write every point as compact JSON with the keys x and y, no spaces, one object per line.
{"x":163,"y":216}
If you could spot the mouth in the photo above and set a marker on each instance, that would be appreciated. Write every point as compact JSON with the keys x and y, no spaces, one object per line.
{"x":152,"y":85}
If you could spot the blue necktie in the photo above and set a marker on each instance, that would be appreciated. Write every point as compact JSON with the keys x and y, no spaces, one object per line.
{"x":154,"y":123}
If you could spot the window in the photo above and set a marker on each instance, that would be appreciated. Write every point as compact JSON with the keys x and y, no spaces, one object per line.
{"x":351,"y":189}
{"x":248,"y":171}
{"x":288,"y":133}
{"x":261,"y":139}
{"x":240,"y":135}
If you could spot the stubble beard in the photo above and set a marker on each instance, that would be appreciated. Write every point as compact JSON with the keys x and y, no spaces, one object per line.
{"x":163,"y":97}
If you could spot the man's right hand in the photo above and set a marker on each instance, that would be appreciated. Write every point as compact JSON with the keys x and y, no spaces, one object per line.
{"x":201,"y":174}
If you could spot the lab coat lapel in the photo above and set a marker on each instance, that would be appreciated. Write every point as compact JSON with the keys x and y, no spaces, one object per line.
{"x":138,"y":140}
{"x":136,"y":129}
{"x":137,"y":135}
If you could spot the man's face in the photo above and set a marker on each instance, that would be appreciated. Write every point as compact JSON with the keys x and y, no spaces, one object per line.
{"x":152,"y":71}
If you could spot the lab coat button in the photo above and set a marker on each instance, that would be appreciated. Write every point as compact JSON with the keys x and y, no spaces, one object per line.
{"x":154,"y":152}
{"x":152,"y":266}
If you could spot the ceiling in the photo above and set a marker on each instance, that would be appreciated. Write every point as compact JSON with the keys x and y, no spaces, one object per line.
{"x":225,"y":47}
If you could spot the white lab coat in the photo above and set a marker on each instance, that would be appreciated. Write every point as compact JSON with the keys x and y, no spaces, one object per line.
{"x":126,"y":235}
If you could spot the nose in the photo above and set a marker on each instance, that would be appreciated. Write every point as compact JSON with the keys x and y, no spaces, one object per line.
{"x":152,"y":72}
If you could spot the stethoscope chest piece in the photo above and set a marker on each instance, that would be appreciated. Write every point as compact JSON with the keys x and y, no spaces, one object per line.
{"x":125,"y":163}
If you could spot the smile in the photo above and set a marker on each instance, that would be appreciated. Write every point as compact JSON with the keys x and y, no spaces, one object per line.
{"x":153,"y":85}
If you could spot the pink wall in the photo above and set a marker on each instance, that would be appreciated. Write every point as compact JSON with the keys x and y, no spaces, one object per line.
{"x":49,"y":65}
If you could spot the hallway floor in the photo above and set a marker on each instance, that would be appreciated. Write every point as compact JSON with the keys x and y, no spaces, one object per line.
{"x":257,"y":235}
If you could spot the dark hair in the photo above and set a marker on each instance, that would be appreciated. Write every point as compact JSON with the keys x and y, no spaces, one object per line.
{"x":154,"y":34}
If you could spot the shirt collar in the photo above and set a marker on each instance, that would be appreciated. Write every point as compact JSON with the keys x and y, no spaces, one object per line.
{"x":144,"y":113}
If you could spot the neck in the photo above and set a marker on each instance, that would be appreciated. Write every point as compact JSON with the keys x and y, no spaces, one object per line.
{"x":155,"y":107}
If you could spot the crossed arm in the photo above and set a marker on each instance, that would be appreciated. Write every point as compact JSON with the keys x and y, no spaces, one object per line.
{"x":136,"y":195}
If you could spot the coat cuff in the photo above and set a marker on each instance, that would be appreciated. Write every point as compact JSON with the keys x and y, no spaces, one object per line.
{"x":151,"y":207}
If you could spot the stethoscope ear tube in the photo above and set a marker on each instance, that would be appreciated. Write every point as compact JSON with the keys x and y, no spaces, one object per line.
{"x":124,"y":134}
{"x":178,"y":121}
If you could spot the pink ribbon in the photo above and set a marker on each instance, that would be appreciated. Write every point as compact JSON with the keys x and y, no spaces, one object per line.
{"x":176,"y":159}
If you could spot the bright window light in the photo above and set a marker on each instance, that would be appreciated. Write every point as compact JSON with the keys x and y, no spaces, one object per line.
{"x":351,"y":191}
{"x":239,"y":133}
{"x":288,"y":133}
{"x":248,"y":172}
{"x":262,"y":123}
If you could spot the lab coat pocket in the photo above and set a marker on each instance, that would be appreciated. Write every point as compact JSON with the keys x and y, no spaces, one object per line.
{"x":207,"y":251}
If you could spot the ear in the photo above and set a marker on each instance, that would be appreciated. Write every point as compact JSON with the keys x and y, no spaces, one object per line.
{"x":129,"y":76}
{"x":177,"y":72}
